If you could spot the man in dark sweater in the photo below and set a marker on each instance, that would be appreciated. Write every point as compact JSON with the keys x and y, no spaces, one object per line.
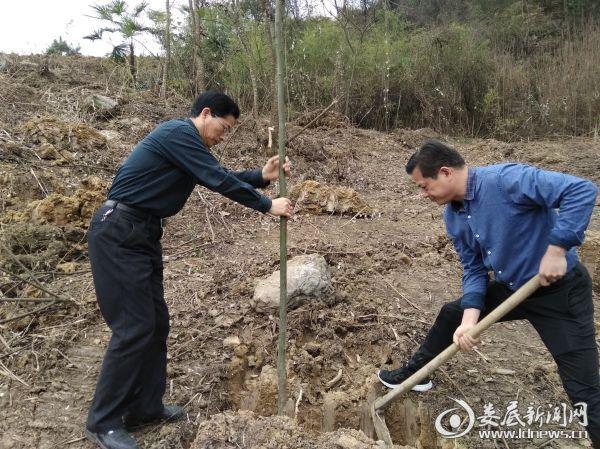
{"x":126,"y":258}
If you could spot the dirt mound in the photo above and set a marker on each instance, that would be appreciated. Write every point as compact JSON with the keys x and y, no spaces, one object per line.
{"x":39,"y":246}
{"x":56,"y":139}
{"x":309,"y":148}
{"x":246,"y":430}
{"x":316,"y":198}
{"x":63,"y":210}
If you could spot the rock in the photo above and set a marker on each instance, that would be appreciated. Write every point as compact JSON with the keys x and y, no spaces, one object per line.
{"x":67,"y":267}
{"x":308,"y":277}
{"x":590,"y":257}
{"x":101,"y":106}
{"x":3,"y":63}
{"x":111,"y":135}
{"x":232,"y":341}
{"x":48,"y":151}
{"x":349,"y":442}
{"x":503,"y":371}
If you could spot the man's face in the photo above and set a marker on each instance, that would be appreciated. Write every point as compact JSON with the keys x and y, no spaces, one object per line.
{"x":215,"y":128}
{"x":439,"y":190}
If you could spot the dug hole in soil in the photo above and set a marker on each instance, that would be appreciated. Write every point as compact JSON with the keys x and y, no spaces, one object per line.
{"x":392,"y":268}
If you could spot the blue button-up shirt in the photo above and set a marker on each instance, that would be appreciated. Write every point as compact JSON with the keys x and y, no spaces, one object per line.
{"x":507,"y":220}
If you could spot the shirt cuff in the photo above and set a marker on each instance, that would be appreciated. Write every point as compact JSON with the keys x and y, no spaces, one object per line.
{"x":265,"y":204}
{"x":258,"y":180}
{"x":473,"y":301}
{"x":564,"y":239}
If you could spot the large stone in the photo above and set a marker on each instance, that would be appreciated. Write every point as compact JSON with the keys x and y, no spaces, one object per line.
{"x":308,"y":277}
{"x":101,"y":106}
{"x":590,"y":256}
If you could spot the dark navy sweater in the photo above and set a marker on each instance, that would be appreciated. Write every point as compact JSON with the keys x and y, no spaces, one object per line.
{"x":160,"y":173}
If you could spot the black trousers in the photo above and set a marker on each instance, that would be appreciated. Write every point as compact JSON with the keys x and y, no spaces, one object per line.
{"x":126,"y":258}
{"x":563,"y":316}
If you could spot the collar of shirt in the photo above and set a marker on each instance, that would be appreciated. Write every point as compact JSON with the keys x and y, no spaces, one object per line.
{"x":459,"y":206}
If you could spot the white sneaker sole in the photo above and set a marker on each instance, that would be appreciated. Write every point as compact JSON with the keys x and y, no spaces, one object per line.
{"x":420,"y":388}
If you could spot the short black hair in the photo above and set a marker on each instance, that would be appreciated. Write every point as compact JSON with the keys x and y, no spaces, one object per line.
{"x":219,"y":104}
{"x":431,"y":157}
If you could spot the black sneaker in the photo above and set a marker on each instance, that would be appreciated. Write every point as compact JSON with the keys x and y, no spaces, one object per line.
{"x":112,"y":439}
{"x":393,"y":379}
{"x":170,"y":413}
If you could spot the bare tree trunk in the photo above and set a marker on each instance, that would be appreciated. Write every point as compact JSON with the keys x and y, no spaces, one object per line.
{"x":199,"y":83}
{"x":270,"y":31}
{"x":241,"y":34}
{"x":132,"y":68}
{"x":254,"y":83}
{"x":338,"y":88}
{"x":165,"y":78}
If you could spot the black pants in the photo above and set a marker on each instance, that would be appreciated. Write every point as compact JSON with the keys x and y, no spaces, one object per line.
{"x":563,"y":316}
{"x":126,"y":258}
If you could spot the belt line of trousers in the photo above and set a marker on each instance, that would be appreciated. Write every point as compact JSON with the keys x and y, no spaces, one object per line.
{"x":127,"y":268}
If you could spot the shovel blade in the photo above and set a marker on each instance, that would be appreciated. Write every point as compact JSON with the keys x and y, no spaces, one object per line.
{"x":381,"y":429}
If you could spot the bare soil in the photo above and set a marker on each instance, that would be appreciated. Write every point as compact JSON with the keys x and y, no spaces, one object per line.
{"x":392,"y":269}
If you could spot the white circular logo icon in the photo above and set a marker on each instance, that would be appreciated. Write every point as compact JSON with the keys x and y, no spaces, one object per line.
{"x":457,"y":424}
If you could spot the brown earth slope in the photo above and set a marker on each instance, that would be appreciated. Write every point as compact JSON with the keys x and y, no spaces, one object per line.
{"x":392,"y":270}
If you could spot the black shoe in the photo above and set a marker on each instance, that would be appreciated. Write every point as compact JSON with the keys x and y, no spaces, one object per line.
{"x":113,"y":439}
{"x":170,"y":413}
{"x":393,"y":379}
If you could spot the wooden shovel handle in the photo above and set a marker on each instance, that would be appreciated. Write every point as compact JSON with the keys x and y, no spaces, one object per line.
{"x":509,"y":304}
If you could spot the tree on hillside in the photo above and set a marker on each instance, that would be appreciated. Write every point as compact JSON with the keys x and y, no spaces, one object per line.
{"x":244,"y":17}
{"x":60,"y":47}
{"x":128,"y":24}
{"x":199,"y":83}
{"x":167,"y":45}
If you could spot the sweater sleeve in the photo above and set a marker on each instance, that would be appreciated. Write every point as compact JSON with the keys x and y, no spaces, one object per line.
{"x":184,"y":148}
{"x":252,"y":177}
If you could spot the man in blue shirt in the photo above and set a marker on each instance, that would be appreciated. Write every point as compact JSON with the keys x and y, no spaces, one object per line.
{"x":514,"y":221}
{"x":126,"y":258}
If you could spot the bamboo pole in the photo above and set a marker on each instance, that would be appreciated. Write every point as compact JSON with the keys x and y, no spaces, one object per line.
{"x":281,"y":369}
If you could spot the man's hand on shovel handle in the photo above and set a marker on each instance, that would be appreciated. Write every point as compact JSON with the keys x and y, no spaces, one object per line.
{"x":466,"y":342}
{"x":553,"y":265}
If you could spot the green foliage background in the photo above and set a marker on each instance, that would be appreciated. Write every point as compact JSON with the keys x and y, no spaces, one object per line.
{"x":506,"y":68}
